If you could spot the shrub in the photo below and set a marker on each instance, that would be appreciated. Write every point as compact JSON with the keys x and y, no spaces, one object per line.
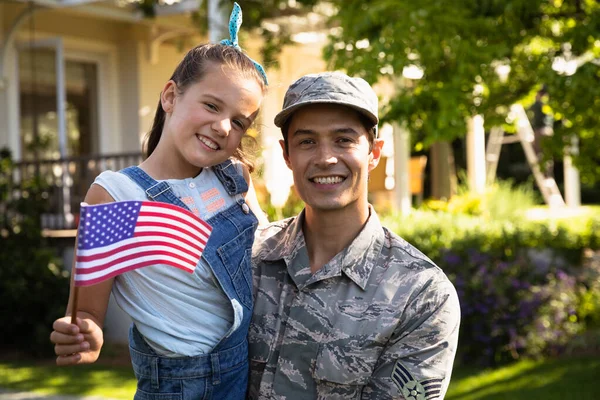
{"x":33,"y":285}
{"x":523,"y":287}
{"x":501,"y":200}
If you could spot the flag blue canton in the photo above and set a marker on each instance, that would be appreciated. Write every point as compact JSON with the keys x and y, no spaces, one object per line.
{"x":105,"y":225}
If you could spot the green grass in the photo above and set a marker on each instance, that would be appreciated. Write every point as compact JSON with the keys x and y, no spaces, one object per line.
{"x":115,"y":382}
{"x":562,"y":379}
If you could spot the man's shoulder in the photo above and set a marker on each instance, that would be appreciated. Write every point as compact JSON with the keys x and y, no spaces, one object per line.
{"x":401,"y":256}
{"x":396,"y":247}
{"x":273,"y":230}
{"x":271,"y":236}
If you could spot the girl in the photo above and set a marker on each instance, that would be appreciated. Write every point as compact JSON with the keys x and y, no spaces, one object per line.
{"x":188,"y":338}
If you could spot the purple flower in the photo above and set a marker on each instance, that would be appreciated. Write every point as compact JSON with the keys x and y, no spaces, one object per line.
{"x":452,"y":259}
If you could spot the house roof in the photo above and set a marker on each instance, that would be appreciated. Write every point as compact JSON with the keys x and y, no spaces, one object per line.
{"x":123,"y":10}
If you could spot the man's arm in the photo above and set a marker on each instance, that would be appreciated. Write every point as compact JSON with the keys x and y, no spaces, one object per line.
{"x":417,"y":363}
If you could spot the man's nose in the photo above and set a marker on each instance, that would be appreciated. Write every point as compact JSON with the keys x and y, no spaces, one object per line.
{"x":325,"y":156}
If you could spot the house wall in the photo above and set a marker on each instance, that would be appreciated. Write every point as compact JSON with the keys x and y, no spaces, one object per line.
{"x":152,"y":78}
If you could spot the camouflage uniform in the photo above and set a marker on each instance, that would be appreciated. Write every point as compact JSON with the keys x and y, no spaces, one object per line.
{"x":379,"y":321}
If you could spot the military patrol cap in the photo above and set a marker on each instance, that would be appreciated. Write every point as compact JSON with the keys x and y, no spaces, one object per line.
{"x":330,"y":88}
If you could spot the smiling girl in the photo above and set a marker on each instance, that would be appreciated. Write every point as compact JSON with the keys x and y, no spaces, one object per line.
{"x":188,"y":338}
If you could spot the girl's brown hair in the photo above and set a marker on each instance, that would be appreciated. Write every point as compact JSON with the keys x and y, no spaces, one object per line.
{"x":190,"y":70}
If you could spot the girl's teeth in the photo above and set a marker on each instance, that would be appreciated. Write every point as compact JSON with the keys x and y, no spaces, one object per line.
{"x":209,"y":143}
{"x":330,"y":180}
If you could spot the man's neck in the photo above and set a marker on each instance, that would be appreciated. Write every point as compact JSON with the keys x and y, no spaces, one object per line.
{"x":327,"y":233}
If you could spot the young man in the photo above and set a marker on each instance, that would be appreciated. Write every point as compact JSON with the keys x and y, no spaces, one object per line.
{"x":344,"y":308}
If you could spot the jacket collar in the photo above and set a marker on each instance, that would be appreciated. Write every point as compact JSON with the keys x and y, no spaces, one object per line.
{"x":356,"y":261}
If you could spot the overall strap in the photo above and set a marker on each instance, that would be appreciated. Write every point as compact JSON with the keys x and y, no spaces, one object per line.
{"x":232,"y":180}
{"x":156,"y":191}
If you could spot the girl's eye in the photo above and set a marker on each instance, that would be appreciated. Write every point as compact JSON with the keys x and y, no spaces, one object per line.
{"x":239,"y":124}
{"x":212,"y":106}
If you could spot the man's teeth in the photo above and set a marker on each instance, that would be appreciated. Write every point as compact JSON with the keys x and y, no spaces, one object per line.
{"x":209,"y":143}
{"x":330,"y":180}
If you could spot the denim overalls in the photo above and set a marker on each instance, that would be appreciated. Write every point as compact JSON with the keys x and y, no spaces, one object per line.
{"x":223,"y":373}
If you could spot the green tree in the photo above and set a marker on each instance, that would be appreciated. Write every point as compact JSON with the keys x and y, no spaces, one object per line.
{"x":462,"y":46}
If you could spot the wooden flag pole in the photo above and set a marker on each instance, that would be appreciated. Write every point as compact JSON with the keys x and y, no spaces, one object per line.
{"x":74,"y":305}
{"x":82,"y":206}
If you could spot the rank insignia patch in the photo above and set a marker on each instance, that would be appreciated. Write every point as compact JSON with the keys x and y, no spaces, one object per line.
{"x":412,"y":389}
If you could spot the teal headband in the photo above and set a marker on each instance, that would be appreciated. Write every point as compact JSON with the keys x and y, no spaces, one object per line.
{"x":235,"y":21}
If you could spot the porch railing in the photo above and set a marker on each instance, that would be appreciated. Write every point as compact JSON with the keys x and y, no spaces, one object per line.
{"x":68,"y":180}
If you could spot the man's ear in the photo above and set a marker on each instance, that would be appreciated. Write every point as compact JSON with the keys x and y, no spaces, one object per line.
{"x":286,"y":156}
{"x":375,"y":155}
{"x":168,"y":96}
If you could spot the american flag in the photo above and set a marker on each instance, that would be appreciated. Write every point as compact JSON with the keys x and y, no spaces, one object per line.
{"x":117,"y":237}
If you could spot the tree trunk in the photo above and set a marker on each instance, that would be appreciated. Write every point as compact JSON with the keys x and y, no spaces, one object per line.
{"x":443,"y":171}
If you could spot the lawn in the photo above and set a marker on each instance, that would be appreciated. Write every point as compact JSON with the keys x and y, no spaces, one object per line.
{"x":563,"y":379}
{"x":103,"y":380}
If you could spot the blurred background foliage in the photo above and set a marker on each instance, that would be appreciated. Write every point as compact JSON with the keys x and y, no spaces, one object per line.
{"x":33,"y":285}
{"x":478,"y":57}
{"x":528,"y":287}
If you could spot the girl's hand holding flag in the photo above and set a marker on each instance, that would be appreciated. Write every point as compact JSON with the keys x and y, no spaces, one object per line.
{"x":113,"y":238}
{"x":80,"y":341}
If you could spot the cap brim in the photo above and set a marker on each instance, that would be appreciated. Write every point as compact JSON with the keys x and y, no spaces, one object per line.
{"x":285,"y":114}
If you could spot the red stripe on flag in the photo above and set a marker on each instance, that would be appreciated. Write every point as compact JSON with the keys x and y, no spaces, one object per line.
{"x":134,"y":245}
{"x":148,"y":253}
{"x":178,"y":209}
{"x":175,"y":237}
{"x":170,"y":218}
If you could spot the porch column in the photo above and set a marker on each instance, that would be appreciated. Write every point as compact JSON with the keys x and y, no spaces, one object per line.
{"x":401,"y":170}
{"x":217,"y":21}
{"x":3,"y":82}
{"x":476,"y":154}
{"x":571,"y":173}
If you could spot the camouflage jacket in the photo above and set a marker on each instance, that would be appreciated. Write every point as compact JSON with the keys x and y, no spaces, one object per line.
{"x":379,"y":321}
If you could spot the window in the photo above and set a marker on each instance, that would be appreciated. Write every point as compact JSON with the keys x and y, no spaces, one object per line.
{"x":38,"y":105}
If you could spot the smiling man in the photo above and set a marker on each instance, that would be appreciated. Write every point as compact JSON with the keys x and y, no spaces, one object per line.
{"x":344,"y":308}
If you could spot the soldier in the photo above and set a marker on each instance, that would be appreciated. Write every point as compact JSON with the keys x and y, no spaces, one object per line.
{"x":344,"y":308}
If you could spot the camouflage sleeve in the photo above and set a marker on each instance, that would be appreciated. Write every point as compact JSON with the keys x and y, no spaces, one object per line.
{"x":417,"y":363}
